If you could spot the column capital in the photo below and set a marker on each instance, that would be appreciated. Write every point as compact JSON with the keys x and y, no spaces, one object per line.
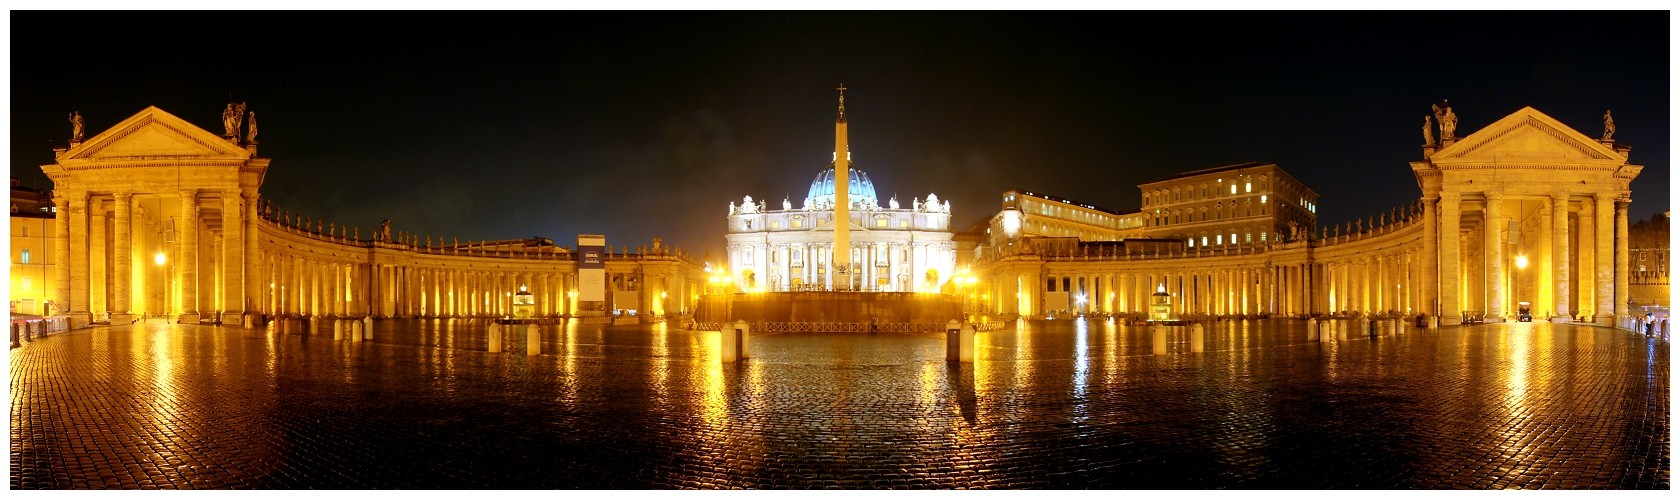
{"x":1453,"y":196}
{"x":1560,"y":197}
{"x":1492,"y":196}
{"x":122,"y":195}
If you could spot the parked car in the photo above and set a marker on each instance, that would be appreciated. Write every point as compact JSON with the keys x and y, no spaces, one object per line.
{"x":1523,"y":312}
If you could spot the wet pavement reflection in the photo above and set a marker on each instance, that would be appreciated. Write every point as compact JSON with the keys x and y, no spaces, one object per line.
{"x":1068,"y":404}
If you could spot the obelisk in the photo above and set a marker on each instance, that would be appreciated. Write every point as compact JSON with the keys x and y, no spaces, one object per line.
{"x":841,"y":258}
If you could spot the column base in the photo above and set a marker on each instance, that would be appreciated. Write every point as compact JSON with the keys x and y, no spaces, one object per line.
{"x":1604,"y":320}
{"x":251,"y":320}
{"x":230,"y":317}
{"x":1561,"y":319}
{"x":122,"y":319}
{"x":1493,"y":318}
{"x":188,"y":319}
{"x":80,"y":319}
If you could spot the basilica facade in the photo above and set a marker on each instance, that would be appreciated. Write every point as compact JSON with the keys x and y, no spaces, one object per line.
{"x":895,"y":248}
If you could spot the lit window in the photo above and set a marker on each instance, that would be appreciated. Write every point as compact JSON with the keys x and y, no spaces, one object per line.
{"x":1262,"y":236}
{"x":880,"y":223}
{"x":1219,"y":239}
{"x":1233,"y":189}
{"x":1233,"y":238}
{"x":1248,"y":237}
{"x":1262,"y":198}
{"x":1192,"y":243}
{"x":1248,"y":187}
{"x":904,"y":223}
{"x":775,"y":225}
{"x":798,"y":223}
{"x":24,"y":257}
{"x":1204,"y":241}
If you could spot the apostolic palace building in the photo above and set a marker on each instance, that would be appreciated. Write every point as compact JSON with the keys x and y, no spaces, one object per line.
{"x":156,"y":216}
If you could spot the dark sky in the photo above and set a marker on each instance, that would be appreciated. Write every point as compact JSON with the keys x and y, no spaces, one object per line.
{"x":489,"y":125}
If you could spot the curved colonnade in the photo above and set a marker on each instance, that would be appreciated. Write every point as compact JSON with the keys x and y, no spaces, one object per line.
{"x":1378,"y":270}
{"x":308,"y":273}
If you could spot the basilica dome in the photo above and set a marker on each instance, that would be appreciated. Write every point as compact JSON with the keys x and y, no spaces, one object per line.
{"x":859,"y":188}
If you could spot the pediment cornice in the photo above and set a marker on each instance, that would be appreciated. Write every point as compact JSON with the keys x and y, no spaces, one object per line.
{"x":153,"y":134}
{"x":1529,"y":138}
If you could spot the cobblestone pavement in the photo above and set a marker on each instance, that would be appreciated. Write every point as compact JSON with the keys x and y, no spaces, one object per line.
{"x":1048,"y":405}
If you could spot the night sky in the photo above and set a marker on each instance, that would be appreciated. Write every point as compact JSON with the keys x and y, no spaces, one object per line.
{"x":492,"y":125}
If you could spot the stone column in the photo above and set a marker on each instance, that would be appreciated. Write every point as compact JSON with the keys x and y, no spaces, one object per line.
{"x":1494,"y":220}
{"x":1585,"y":267}
{"x":254,"y":277}
{"x":189,"y":256}
{"x":81,"y":312}
{"x":233,"y":258}
{"x":1621,"y":265}
{"x":99,"y":274}
{"x":1542,"y":275}
{"x":1448,"y":260}
{"x":1604,"y":253}
{"x":1560,"y":255}
{"x":1429,"y":274}
{"x":61,"y":253}
{"x":121,"y":297}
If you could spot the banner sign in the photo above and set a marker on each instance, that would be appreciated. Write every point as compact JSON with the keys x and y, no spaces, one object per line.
{"x":592,"y":268}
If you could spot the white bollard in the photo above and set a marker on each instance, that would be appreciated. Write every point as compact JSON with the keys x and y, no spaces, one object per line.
{"x":338,"y":333}
{"x":1341,"y":331}
{"x":1160,"y":335}
{"x":1312,"y":330}
{"x":1197,"y":337}
{"x":367,"y":327}
{"x":355,"y":331}
{"x":533,"y":341}
{"x":495,"y":337}
{"x":746,"y":337}
{"x":966,"y":344}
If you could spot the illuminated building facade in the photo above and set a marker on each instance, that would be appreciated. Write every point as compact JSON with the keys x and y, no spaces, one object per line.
{"x":892,"y":249}
{"x":32,"y":267}
{"x":1230,"y":205}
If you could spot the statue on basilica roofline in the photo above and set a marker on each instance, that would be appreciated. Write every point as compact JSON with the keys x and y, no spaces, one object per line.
{"x":230,"y":119}
{"x":1449,"y":121}
{"x":1609,"y":126}
{"x":251,"y":129}
{"x":892,"y":203}
{"x":786,"y":205}
{"x":76,"y":126}
{"x":1428,"y":134}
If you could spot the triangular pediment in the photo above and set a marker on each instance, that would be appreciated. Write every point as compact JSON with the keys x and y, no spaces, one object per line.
{"x":1527,"y":136}
{"x":154,"y":133}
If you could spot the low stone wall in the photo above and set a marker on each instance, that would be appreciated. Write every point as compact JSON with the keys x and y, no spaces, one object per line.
{"x":830,"y":307}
